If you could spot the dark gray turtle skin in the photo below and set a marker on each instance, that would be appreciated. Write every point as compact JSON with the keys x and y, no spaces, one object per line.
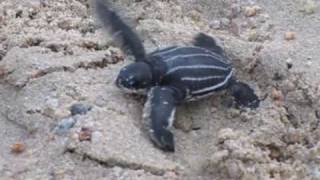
{"x":172,"y":76}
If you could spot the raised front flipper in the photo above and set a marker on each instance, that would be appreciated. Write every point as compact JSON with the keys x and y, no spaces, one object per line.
{"x":159,"y":114}
{"x":121,"y":32}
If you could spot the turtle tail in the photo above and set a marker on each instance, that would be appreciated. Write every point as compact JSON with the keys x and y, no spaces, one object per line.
{"x":121,"y":32}
{"x":207,"y":42}
{"x":243,"y":94}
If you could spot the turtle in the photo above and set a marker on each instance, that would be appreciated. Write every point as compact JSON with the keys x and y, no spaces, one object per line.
{"x":171,"y":76}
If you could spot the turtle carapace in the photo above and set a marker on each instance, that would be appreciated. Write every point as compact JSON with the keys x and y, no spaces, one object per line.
{"x":172,"y":75}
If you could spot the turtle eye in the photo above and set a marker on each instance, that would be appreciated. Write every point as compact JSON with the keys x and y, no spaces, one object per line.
{"x":133,"y":83}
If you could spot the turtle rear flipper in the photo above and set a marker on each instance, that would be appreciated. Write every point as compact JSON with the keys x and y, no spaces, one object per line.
{"x":207,"y":42}
{"x":244,"y":95}
{"x":120,"y":31}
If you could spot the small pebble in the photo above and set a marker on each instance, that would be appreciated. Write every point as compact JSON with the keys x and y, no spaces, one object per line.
{"x":251,"y":11}
{"x":215,"y":24}
{"x":309,"y":7}
{"x":3,"y":71}
{"x":309,"y":63}
{"x":185,"y":125}
{"x":253,"y":35}
{"x":85,"y":134}
{"x":274,"y":152}
{"x":196,"y":125}
{"x":290,"y":36}
{"x":195,"y":15}
{"x":277,"y":95}
{"x":289,"y":63}
{"x":224,"y":22}
{"x":17,"y":148}
{"x":80,"y":108}
{"x":227,"y":134}
{"x":64,"y":125}
{"x":233,"y":113}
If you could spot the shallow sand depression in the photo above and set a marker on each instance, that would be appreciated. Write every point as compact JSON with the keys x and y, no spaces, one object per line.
{"x":53,"y":55}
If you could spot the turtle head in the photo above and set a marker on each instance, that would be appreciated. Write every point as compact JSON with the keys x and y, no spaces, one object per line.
{"x":163,"y":138}
{"x":135,"y":77}
{"x":244,"y":95}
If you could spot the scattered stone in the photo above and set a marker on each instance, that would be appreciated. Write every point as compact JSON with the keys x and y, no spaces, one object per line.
{"x":19,"y":13}
{"x":316,"y":172}
{"x":219,"y":156}
{"x":224,"y":22}
{"x":195,"y":15}
{"x":85,"y":134}
{"x":289,"y":63}
{"x":215,"y":24}
{"x":277,"y":76}
{"x":253,"y":35}
{"x":196,"y":125}
{"x":245,"y":117}
{"x":290,"y":36}
{"x":309,"y":7}
{"x":233,"y":113}
{"x":250,"y":11}
{"x":64,"y":125}
{"x":277,"y":95}
{"x":184,"y":124}
{"x":80,"y":108}
{"x":275,"y":152}
{"x":309,"y":63}
{"x":3,"y":71}
{"x":17,"y":148}
{"x":32,"y":12}
{"x":226,"y":134}
{"x":89,"y":45}
{"x":294,"y":136}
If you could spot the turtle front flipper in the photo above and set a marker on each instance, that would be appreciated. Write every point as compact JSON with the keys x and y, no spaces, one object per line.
{"x":244,"y":95}
{"x":120,"y":31}
{"x":159,"y":114}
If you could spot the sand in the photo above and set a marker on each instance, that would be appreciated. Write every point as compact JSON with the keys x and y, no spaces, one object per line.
{"x":53,"y":54}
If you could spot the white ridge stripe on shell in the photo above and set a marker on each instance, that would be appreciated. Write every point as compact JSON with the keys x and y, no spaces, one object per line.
{"x":195,"y":98}
{"x":201,"y":78}
{"x":218,"y":58}
{"x":211,"y":88}
{"x":212,"y":54}
{"x":196,"y":67}
{"x":161,"y":52}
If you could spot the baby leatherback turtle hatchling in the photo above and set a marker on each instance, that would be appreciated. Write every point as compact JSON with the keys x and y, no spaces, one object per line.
{"x":172,"y":76}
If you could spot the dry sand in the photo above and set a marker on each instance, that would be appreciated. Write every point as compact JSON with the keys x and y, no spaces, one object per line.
{"x":53,"y":55}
